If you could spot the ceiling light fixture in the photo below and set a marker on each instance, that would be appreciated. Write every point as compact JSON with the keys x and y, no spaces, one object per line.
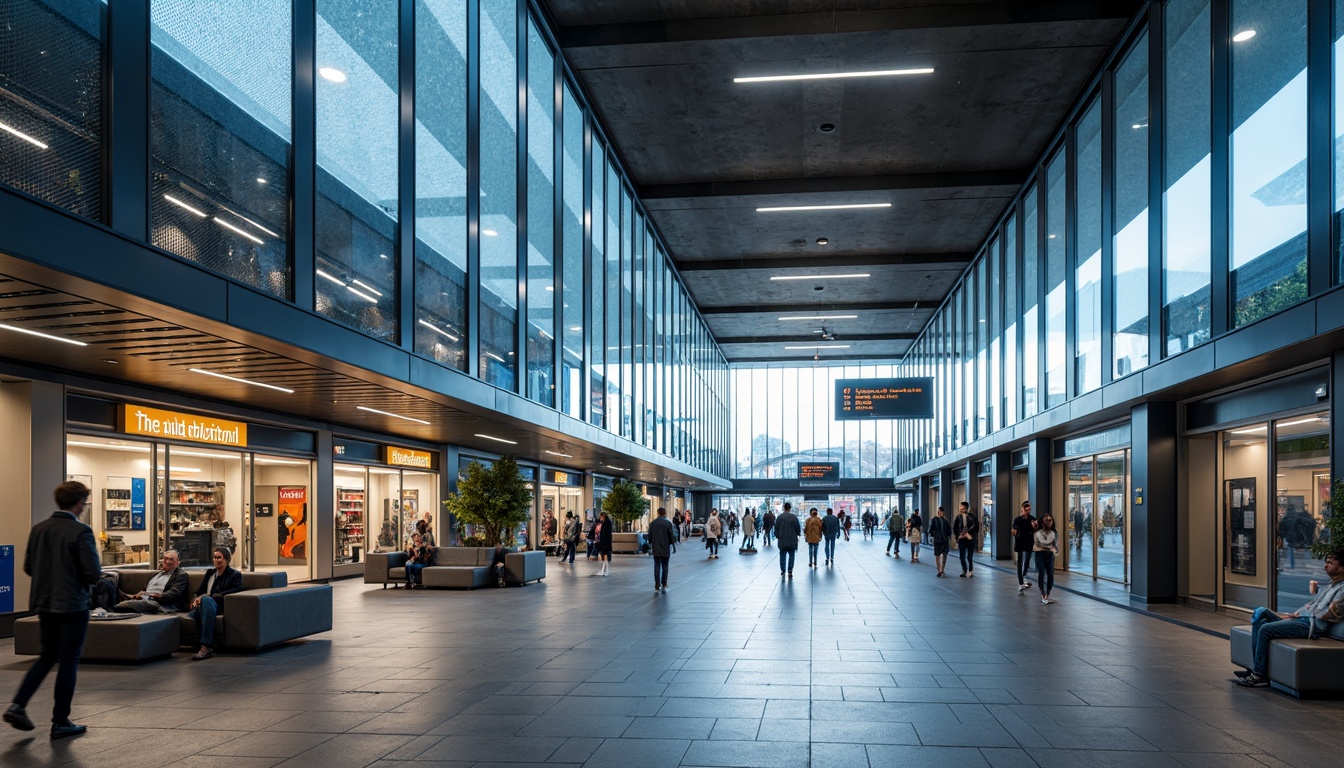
{"x":1250,"y":431}
{"x":393,"y":415}
{"x":823,"y":241}
{"x":834,"y":75}
{"x":820,"y":346}
{"x":576,"y":328}
{"x":260,"y":180}
{"x":240,"y":381}
{"x":248,"y":235}
{"x":496,"y":357}
{"x":368,"y":288}
{"x":22,"y":135}
{"x":181,"y":204}
{"x":42,"y":335}
{"x":1295,"y":422}
{"x":618,"y":469}
{"x":489,"y":233}
{"x":822,"y":277}
{"x":438,"y":330}
{"x":497,"y":439}
{"x":820,"y":317}
{"x":331,"y":73}
{"x":361,"y":295}
{"x":838,"y":207}
{"x":557,"y":453}
{"x":1243,"y":36}
{"x":332,"y":278}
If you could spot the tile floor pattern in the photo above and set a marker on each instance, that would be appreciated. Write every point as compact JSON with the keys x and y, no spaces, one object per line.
{"x":871,"y":663}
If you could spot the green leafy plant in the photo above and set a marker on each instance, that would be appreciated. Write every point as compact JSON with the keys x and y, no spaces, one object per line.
{"x":1333,"y":535}
{"x":494,"y":500}
{"x":625,"y":503}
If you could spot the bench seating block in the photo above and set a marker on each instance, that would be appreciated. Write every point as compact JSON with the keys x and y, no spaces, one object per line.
{"x":1243,"y":654}
{"x":135,"y":639}
{"x":522,"y":567}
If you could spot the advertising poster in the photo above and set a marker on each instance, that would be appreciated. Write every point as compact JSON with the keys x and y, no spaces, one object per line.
{"x":293,"y":518}
{"x":1241,"y":498}
{"x":6,"y":578}
{"x":137,"y":503}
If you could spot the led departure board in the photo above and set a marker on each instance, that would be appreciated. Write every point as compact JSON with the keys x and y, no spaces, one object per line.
{"x":857,"y":399}
{"x":819,"y":474}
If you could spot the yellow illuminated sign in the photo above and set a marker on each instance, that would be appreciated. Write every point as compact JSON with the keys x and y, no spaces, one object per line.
{"x":407,"y":457}
{"x":172,"y":425}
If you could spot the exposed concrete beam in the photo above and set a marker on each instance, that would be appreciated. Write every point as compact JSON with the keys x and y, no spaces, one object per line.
{"x":795,"y":308}
{"x":822,"y":184}
{"x":797,"y":262}
{"x":841,"y":22}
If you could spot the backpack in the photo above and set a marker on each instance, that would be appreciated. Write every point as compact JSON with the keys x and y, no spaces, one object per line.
{"x":103,"y":593}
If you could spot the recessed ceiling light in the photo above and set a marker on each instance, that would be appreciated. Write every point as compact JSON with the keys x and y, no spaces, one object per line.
{"x":821,"y":277}
{"x":240,"y":381}
{"x":1249,"y":431}
{"x":826,"y":127}
{"x":393,"y":415}
{"x":619,"y":469}
{"x":841,"y":207}
{"x":820,"y":346}
{"x":260,"y":180}
{"x":819,"y":317}
{"x":361,"y":294}
{"x":438,"y":330}
{"x":489,"y":233}
{"x":576,"y":328}
{"x":822,"y":241}
{"x":331,"y":73}
{"x":834,"y":75}
{"x":248,"y":235}
{"x":497,"y":439}
{"x":1243,"y":36}
{"x":330,"y":277}
{"x":181,"y":204}
{"x":110,"y":361}
{"x":1295,"y":422}
{"x":42,"y":335}
{"x":22,"y":135}
{"x":550,"y":287}
{"x":556,"y":453}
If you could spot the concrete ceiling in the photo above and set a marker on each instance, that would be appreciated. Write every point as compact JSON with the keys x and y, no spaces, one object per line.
{"x":947,"y":150}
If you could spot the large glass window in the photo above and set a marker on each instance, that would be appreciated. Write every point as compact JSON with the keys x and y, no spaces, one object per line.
{"x":1302,"y":490}
{"x":1010,"y":322}
{"x":499,"y":192}
{"x":1056,"y":267}
{"x":1031,"y":286}
{"x":1087,"y":277}
{"x":51,"y":101}
{"x":1186,"y":197}
{"x":1338,"y":54}
{"x":596,"y":287}
{"x":1268,"y":154}
{"x":627,"y":328}
{"x":357,"y":181}
{"x":1130,"y":241}
{"x":540,"y":219}
{"x":220,"y":136}
{"x":571,"y":351}
{"x":441,"y":181}
{"x":613,"y":301}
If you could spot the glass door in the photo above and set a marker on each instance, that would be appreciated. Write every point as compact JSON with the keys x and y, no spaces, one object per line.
{"x":1302,"y":495}
{"x":1246,"y":543}
{"x":986,"y":513}
{"x":1079,"y":502}
{"x":1109,"y":524}
{"x":205,"y":497}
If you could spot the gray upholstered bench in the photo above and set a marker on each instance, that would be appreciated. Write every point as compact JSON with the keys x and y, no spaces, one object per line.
{"x":1302,"y":667}
{"x":138,"y":638}
{"x":456,"y":567}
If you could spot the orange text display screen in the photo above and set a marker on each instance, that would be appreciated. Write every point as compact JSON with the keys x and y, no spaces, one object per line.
{"x":910,"y":398}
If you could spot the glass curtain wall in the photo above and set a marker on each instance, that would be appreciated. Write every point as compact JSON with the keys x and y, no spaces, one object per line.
{"x":1087,"y":276}
{"x":1129,"y":276}
{"x":1337,"y":53}
{"x":540,"y":284}
{"x":1056,"y":282}
{"x":498,"y":193}
{"x":1031,"y":293}
{"x":572,"y":385}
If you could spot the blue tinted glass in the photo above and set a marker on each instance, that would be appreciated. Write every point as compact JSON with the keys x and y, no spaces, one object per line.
{"x":499,"y":192}
{"x":1131,"y":212}
{"x":571,"y":221}
{"x":1056,"y":297}
{"x":540,"y":219}
{"x":1087,"y":278}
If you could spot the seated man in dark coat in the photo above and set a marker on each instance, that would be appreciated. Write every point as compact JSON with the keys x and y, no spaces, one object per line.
{"x":497,"y":564}
{"x":209,"y":602}
{"x":166,"y":591}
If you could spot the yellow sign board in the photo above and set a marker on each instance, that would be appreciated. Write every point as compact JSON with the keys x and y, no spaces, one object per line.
{"x":172,"y":425}
{"x":407,"y":457}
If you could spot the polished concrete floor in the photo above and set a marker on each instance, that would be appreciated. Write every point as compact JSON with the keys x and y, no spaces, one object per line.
{"x":872,"y":662}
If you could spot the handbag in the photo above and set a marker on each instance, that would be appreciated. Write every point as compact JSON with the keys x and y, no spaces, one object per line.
{"x":914,"y":537}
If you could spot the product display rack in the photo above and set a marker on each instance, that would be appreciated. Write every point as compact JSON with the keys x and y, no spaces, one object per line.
{"x":349,"y":524}
{"x":195,"y":502}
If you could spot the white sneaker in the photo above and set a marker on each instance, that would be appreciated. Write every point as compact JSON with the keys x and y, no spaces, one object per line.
{"x":1045,"y":601}
{"x":1023,"y":587}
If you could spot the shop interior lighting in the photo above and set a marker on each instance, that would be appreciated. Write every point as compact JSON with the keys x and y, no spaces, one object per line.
{"x":835,"y":75}
{"x":239,"y":230}
{"x":438,"y":330}
{"x":562,"y":455}
{"x":109,"y":446}
{"x":820,"y":346}
{"x":618,"y":469}
{"x":821,"y":317}
{"x":285,"y":462}
{"x":41,"y":335}
{"x":183,"y":470}
{"x":498,"y":439}
{"x":821,"y":277}
{"x":839,"y":207}
{"x":218,"y":375}
{"x":1243,"y":35}
{"x":332,"y":278}
{"x":181,"y":204}
{"x":15,"y":131}
{"x":361,"y":294}
{"x":393,"y":415}
{"x":493,"y":356}
{"x":331,"y":73}
{"x":1295,"y":422}
{"x":366,"y":287}
{"x":1250,"y":431}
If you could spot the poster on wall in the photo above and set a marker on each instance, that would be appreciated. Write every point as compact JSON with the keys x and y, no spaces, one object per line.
{"x":117,"y":508}
{"x":86,"y":516}
{"x":1241,"y":499}
{"x":293,"y":519}
{"x":138,"y":503}
{"x":6,"y":578}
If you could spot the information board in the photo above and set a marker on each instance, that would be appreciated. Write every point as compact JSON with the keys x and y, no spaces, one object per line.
{"x":910,"y":398}
{"x":819,"y":474}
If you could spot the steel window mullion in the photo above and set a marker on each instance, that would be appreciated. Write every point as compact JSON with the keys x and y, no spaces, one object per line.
{"x":472,"y":342}
{"x":126,"y":156}
{"x":1220,"y":276}
{"x":520,"y":361}
{"x":1320,"y":147}
{"x":1157,"y":120}
{"x":405,"y":248}
{"x":303,"y":156}
{"x":1106,"y":280}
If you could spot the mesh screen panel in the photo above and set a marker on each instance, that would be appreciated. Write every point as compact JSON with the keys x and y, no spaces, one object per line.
{"x":356,"y":284}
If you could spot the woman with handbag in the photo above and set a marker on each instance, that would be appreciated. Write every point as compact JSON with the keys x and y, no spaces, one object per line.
{"x":914,"y":533}
{"x":1045,"y":545}
{"x":602,"y":542}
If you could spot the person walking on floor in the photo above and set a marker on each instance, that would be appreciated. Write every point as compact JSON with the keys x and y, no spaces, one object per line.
{"x":830,"y":530}
{"x":914,"y":533}
{"x":895,"y":531}
{"x":1045,"y":544}
{"x":1024,"y":544}
{"x":748,"y":531}
{"x":846,"y":523}
{"x":768,"y":526}
{"x":62,"y":559}
{"x":812,"y":534}
{"x":787,"y":531}
{"x":966,"y":529}
{"x":573,"y":530}
{"x":713,"y":530}
{"x":940,"y":534}
{"x":662,"y":542}
{"x":602,"y":543}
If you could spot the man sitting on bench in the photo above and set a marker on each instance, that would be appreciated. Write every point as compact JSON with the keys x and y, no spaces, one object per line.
{"x":166,"y":591}
{"x":1311,"y":620}
{"x":209,"y":602}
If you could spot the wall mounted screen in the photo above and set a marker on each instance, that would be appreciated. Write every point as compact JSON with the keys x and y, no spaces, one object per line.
{"x":883,"y":399}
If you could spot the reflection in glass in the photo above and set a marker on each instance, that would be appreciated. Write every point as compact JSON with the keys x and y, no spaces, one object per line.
{"x":220,"y":136}
{"x":499,"y":192}
{"x":1056,"y":298}
{"x":1337,"y":52}
{"x":1108,"y":523}
{"x":1186,"y":198}
{"x":597,"y":397}
{"x":1269,"y":158}
{"x":1246,"y":492}
{"x":1087,"y":279}
{"x":441,"y":181}
{"x":613,"y":302}
{"x":1130,"y":273}
{"x":1077,"y":522}
{"x":571,"y":223}
{"x":1031,"y":286}
{"x":1302,"y":492}
{"x":1010,"y":322}
{"x":357,"y":181}
{"x":540,"y":219}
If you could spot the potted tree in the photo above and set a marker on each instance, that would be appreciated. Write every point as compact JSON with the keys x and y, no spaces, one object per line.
{"x":1333,"y":533}
{"x":494,"y":501}
{"x":625,"y":503}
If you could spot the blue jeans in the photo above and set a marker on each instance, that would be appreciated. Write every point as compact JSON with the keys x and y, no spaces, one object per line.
{"x":204,"y":616}
{"x":62,"y":644}
{"x":412,"y":573}
{"x":1265,"y":627}
{"x":1045,"y":571}
{"x":830,"y":548}
{"x":782,"y":556}
{"x":812,"y":553}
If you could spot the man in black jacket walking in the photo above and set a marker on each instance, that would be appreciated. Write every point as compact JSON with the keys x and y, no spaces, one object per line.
{"x":662,"y":543}
{"x":63,"y":561}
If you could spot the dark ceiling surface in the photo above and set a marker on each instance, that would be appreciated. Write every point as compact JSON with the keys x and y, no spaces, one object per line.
{"x":946,"y":150}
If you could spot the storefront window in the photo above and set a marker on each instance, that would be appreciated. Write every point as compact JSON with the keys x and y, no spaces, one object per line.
{"x":1245,"y":516}
{"x":122,"y":479}
{"x":1302,"y":494}
{"x":1094,"y":527}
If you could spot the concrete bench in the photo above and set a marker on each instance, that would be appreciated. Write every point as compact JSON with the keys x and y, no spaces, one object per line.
{"x":1304,"y":668}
